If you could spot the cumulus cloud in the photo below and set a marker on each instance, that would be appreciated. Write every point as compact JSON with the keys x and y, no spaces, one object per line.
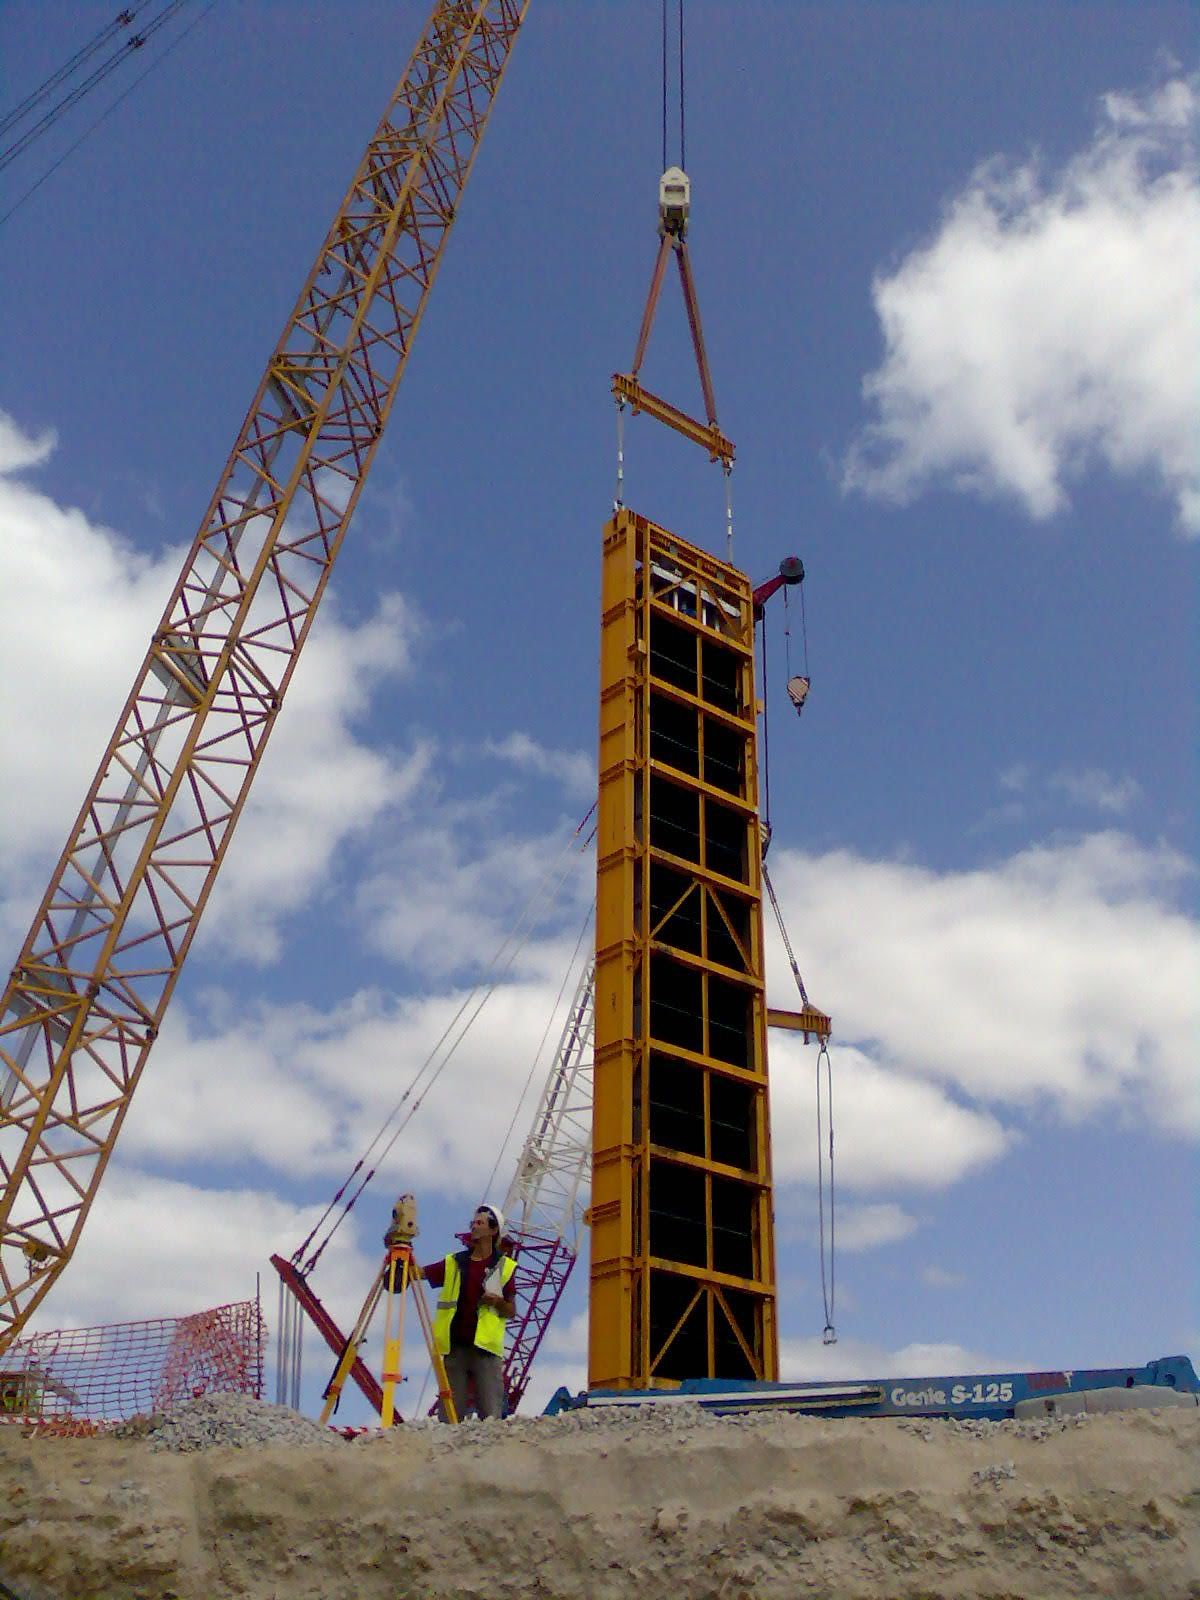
{"x":1045,"y":324}
{"x":315,"y":1086}
{"x":1061,"y":979}
{"x":1097,"y":790}
{"x":893,"y":1128}
{"x":77,"y":605}
{"x":868,"y":1227}
{"x":857,"y":1358}
{"x":572,"y":769}
{"x":157,"y":1247}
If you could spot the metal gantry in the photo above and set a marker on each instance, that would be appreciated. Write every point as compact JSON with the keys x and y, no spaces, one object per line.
{"x":86,"y":997}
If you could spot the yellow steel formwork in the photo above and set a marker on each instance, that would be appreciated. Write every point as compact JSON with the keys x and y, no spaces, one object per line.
{"x":682,"y":1243}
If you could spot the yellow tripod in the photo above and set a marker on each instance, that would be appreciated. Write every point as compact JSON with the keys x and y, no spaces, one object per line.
{"x":399,"y":1273}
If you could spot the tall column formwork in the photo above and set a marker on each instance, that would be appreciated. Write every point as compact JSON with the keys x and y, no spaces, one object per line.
{"x":682,"y":1240}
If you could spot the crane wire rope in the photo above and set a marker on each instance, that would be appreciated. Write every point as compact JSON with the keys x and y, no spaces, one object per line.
{"x":828,"y":1292}
{"x":123,"y":19}
{"x":567,"y":975}
{"x":825,"y":1188}
{"x":105,"y":114}
{"x":766,"y":742}
{"x":136,"y":41}
{"x":682,"y":87}
{"x":498,"y":967}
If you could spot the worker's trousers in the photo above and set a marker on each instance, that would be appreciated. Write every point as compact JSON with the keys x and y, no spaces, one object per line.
{"x":467,"y":1361}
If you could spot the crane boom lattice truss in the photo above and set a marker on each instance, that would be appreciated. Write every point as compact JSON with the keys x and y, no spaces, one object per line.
{"x":85,"y":1000}
{"x":546,"y":1199}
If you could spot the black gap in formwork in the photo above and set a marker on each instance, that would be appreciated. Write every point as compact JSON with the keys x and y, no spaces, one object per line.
{"x":687,"y":1356}
{"x":673,"y":653}
{"x":721,"y":677}
{"x":675,"y":819}
{"x":676,"y":1104}
{"x":676,"y":1003}
{"x":729,"y":1357}
{"x":678,"y":1229}
{"x":669,"y":892}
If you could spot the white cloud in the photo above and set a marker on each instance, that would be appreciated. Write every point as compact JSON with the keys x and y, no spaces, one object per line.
{"x":892,"y":1128}
{"x":940,"y":1278}
{"x":449,"y":895}
{"x":19,"y":449}
{"x":314,"y":1086}
{"x":856,"y":1358}
{"x":77,"y":605}
{"x":155,"y":1247}
{"x":1061,"y":979}
{"x":1097,"y":790}
{"x":868,"y":1227}
{"x":572,"y":769}
{"x":1045,"y":325}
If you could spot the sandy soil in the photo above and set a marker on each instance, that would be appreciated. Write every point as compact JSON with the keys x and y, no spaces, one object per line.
{"x":777,"y":1507}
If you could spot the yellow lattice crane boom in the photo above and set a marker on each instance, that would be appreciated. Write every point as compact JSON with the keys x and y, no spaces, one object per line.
{"x":86,"y":997}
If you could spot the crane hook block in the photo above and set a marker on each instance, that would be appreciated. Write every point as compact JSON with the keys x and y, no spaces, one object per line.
{"x":674,"y":201}
{"x":797,"y":689}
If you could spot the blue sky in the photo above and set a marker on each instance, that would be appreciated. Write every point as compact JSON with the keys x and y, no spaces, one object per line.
{"x":947,"y":262}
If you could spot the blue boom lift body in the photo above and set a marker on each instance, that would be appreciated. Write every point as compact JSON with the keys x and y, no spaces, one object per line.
{"x":990,"y":1395}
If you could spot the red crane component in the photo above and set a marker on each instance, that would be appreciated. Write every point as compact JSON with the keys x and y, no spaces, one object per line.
{"x":85,"y":1000}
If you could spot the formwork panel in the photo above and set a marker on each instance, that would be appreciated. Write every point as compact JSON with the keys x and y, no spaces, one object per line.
{"x":683,"y":1259}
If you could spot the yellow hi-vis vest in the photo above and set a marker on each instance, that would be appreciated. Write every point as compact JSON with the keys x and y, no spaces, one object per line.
{"x":489,"y":1327}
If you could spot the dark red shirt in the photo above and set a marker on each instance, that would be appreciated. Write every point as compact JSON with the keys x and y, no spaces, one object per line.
{"x":466,"y":1318}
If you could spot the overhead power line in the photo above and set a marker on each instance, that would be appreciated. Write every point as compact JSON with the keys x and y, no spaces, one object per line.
{"x":135,"y":41}
{"x":105,"y":114}
{"x":123,"y":19}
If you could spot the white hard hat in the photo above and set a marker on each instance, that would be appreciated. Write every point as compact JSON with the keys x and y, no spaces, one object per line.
{"x":496,"y":1214}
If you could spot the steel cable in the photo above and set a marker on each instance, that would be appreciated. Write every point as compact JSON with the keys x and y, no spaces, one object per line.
{"x":56,"y":112}
{"x":105,"y":114}
{"x":123,"y":19}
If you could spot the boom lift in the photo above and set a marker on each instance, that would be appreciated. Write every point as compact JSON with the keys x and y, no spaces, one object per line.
{"x":85,"y":1000}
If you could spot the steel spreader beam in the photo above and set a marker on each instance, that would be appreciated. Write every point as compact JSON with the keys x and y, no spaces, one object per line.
{"x":85,"y":1000}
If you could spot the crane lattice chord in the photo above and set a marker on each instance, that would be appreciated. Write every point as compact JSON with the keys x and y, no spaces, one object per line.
{"x":87,"y":995}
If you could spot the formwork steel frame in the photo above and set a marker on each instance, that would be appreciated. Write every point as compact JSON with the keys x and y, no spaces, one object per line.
{"x":83,"y":1005}
{"x":682,"y":1243}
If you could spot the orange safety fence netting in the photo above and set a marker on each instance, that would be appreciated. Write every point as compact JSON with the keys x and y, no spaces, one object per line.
{"x":81,"y":1380}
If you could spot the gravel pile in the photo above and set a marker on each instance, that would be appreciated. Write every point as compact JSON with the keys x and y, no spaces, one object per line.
{"x":1038,"y":1429}
{"x":237,"y":1421}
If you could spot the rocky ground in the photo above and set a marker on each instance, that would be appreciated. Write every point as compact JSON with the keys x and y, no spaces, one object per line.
{"x":235,"y":1498}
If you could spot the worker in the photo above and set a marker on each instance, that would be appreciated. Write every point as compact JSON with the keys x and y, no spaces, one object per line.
{"x":476,"y":1301}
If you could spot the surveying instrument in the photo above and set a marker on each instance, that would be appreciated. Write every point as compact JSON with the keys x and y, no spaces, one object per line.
{"x":399,"y":1273}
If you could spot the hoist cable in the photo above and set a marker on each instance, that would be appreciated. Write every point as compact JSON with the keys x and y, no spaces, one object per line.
{"x":682,"y":130}
{"x":766,"y":737}
{"x":537,"y":1055}
{"x":499,"y":965}
{"x":787,"y":943}
{"x":828,"y":1286}
{"x":664,"y":85}
{"x":804,"y":629}
{"x":105,"y":114}
{"x":436,"y":1074}
{"x":109,"y":65}
{"x":787,"y":633}
{"x":123,"y":19}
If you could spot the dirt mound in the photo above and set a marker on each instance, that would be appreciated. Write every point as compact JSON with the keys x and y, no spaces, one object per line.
{"x":673,"y":1506}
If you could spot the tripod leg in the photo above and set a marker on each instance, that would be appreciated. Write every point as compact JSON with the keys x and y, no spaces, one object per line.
{"x":397,"y":1283}
{"x":342,"y":1371}
{"x":445,"y":1395}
